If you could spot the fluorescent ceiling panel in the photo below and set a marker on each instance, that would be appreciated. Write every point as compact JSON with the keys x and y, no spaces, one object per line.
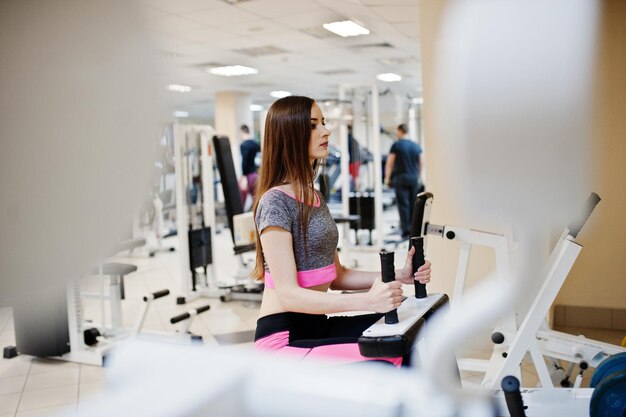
{"x":233,"y":71}
{"x":346,"y":28}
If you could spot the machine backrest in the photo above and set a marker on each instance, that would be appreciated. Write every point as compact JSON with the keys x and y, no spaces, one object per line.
{"x":228,"y":178}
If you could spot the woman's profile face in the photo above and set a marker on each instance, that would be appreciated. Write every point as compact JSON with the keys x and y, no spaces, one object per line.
{"x":318,"y":144}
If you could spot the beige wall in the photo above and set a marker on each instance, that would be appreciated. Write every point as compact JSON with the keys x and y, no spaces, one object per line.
{"x":444,"y":263}
{"x":446,"y":208}
{"x":599,"y":276}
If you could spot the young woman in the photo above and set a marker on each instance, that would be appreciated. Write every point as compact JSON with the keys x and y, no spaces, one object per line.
{"x":296,"y":252}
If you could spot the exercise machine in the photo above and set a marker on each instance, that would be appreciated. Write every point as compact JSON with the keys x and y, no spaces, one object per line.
{"x":396,"y":334}
{"x":251,"y":383}
{"x":91,"y":342}
{"x":547,"y":348}
{"x":467,"y":239}
{"x":358,"y":207}
{"x":153,"y":221}
{"x":67,"y":334}
{"x":195,"y":147}
{"x":246,"y":289}
{"x":195,"y":214}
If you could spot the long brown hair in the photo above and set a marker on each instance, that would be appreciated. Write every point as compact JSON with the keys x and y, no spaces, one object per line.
{"x":285,"y":159}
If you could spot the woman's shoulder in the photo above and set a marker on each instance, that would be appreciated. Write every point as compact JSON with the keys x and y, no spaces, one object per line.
{"x":275,"y":209}
{"x":274,"y":195}
{"x":285,"y":193}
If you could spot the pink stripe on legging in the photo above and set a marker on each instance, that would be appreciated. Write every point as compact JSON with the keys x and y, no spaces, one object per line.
{"x":279,"y":342}
{"x":345,"y":353}
{"x":342,"y":353}
{"x":274,"y":341}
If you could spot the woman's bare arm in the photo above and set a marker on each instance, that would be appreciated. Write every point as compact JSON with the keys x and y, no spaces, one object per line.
{"x":352,"y":279}
{"x":278,"y":252}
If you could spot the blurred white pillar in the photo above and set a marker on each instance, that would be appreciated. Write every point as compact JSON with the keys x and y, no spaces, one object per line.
{"x":414,"y":132}
{"x":262,"y":118}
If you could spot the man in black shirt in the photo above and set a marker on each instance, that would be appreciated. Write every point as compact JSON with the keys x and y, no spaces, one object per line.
{"x":402,"y":172}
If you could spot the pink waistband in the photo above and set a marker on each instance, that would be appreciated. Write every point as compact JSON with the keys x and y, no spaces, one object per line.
{"x":309,"y":278}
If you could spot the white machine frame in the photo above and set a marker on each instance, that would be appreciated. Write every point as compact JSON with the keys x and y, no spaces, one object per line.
{"x":467,"y":239}
{"x":533,"y":336}
{"x":153,"y":234}
{"x":79,"y":351}
{"x":111,"y":334}
{"x":376,"y":153}
{"x":210,"y":288}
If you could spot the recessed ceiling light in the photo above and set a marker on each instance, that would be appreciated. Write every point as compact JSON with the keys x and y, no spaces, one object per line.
{"x":256,"y":107}
{"x":388,"y":77}
{"x":346,"y":28}
{"x":179,"y":88}
{"x":233,"y":70}
{"x":180,"y":113}
{"x":280,"y":94}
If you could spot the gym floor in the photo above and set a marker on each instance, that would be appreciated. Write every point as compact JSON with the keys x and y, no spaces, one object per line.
{"x":34,"y":387}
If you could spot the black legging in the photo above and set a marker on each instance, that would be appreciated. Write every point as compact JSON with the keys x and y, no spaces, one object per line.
{"x":311,"y":330}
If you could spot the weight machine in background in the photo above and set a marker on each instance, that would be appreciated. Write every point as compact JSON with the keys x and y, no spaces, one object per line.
{"x":195,"y":213}
{"x":194,"y":147}
{"x":245,"y":289}
{"x":155,"y":218}
{"x":355,"y":206}
{"x":358,"y":202}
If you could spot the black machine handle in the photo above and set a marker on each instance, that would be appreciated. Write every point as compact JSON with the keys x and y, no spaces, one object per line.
{"x":513,"y":396}
{"x":185,"y":316}
{"x":158,"y":294}
{"x":388,"y":275}
{"x":590,"y":204}
{"x":180,"y":317}
{"x":419,"y":210}
{"x":418,"y":260}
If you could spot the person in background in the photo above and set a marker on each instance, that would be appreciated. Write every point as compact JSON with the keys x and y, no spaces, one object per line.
{"x":249,"y":148}
{"x":402,"y":172}
{"x":354,"y":151}
{"x":296,"y":248}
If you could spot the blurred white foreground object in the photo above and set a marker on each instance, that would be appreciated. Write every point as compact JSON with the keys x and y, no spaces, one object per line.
{"x":78,"y":120}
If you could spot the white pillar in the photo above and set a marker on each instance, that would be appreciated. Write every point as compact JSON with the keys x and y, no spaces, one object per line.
{"x":262,"y":117}
{"x":414,"y":132}
{"x":400,"y":116}
{"x":378,"y":186}
{"x":232,"y":109}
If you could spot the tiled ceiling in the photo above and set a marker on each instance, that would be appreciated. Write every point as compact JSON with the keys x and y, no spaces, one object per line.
{"x":285,"y":41}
